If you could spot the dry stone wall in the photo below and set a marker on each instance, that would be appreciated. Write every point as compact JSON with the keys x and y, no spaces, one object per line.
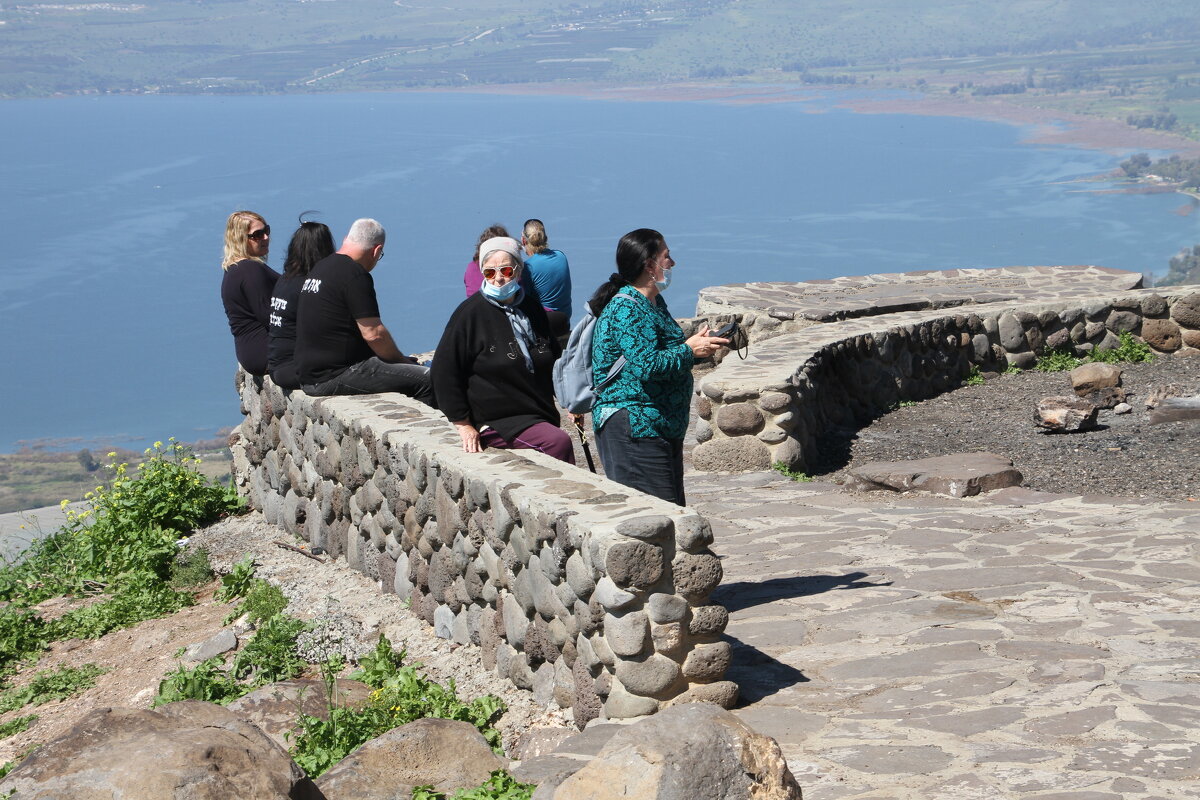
{"x":775,"y":406}
{"x":591,"y":595}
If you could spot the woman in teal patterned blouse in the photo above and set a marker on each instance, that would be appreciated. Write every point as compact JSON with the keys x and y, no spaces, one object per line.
{"x":642,"y":415}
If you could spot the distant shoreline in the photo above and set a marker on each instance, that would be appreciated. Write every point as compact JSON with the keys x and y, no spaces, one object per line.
{"x":1049,"y":126}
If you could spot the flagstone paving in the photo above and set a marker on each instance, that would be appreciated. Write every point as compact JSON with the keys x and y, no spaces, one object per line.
{"x":1011,"y":645}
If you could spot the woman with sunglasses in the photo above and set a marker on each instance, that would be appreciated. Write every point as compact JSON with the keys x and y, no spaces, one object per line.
{"x":492,"y":368}
{"x":311,"y":242}
{"x":246,"y":287}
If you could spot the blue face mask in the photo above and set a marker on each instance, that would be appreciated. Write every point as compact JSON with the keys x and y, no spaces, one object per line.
{"x":500,"y":293}
{"x":665,"y":282}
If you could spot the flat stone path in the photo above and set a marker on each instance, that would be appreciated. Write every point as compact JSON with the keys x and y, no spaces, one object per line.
{"x":846,"y":297}
{"x":1011,"y":645}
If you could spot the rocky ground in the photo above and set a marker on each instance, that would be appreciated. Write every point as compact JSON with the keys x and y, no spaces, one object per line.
{"x":1124,"y":456}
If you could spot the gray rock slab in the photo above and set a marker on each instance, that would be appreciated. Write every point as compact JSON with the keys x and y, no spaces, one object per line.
{"x":958,"y":475}
{"x":224,"y":641}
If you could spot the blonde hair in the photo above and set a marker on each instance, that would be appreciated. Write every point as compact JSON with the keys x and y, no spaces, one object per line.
{"x":535,"y":235}
{"x":236,"y":228}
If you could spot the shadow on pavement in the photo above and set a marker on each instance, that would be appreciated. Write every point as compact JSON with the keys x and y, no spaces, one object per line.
{"x":744,"y":594}
{"x":757,"y":674}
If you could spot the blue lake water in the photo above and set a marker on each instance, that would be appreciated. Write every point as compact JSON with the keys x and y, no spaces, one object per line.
{"x":111,"y":327}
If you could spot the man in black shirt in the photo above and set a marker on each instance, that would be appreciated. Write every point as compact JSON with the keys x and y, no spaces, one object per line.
{"x":342,"y":346}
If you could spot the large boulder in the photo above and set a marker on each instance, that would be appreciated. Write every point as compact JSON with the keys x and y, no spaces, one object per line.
{"x":188,"y":750}
{"x":443,"y":753}
{"x":958,"y":475}
{"x":696,"y":751}
{"x":274,"y":708}
{"x":1065,"y":414}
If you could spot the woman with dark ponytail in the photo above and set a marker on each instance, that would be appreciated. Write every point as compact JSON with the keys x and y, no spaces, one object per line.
{"x":311,"y":242}
{"x":641,"y":415}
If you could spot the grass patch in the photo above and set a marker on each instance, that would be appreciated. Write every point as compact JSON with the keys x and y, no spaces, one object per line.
{"x":191,"y":568}
{"x":15,"y":726}
{"x":784,"y":469}
{"x":1060,"y":360}
{"x":48,"y":685}
{"x":499,"y":786}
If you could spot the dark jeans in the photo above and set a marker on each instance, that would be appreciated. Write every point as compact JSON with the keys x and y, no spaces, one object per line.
{"x":541,"y":436}
{"x":651,"y":464}
{"x":373,"y":376}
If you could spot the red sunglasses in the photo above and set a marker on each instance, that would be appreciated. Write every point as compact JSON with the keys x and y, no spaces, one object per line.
{"x":490,"y":272}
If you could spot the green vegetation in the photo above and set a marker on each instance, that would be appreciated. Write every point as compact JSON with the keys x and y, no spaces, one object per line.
{"x":401,"y":695}
{"x":784,"y":469}
{"x":190,"y":568}
{"x":1061,"y":360}
{"x":1130,"y":351}
{"x":974,"y":377}
{"x":237,"y":583}
{"x":208,"y":681}
{"x":1185,"y":172}
{"x":47,"y":685}
{"x":14,"y":726}
{"x":118,"y":554}
{"x":1103,"y":57}
{"x":35,"y":478}
{"x":500,"y":786}
{"x":263,"y":601}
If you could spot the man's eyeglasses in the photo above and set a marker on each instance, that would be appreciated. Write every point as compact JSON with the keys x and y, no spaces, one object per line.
{"x":490,"y":272}
{"x":260,"y":234}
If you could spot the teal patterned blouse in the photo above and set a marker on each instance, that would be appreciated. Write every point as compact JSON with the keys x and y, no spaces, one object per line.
{"x":656,"y":382}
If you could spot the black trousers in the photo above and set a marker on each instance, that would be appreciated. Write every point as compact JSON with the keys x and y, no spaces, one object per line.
{"x":373,"y":376}
{"x":649,"y":464}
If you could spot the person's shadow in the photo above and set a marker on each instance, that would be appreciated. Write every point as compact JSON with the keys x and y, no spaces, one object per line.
{"x":758,"y":674}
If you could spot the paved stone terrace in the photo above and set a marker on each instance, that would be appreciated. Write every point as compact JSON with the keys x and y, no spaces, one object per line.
{"x":887,"y":293}
{"x":1014,"y":645}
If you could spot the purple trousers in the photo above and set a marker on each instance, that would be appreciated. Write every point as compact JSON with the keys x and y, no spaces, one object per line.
{"x":542,"y":436}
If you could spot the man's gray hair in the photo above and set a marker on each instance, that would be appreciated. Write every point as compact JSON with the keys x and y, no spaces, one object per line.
{"x":366,"y":233}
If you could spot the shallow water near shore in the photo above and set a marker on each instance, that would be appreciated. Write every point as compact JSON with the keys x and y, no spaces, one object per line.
{"x":110,"y":315}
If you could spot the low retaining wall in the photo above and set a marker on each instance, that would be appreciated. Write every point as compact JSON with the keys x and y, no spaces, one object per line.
{"x":775,"y":406}
{"x":592,"y":595}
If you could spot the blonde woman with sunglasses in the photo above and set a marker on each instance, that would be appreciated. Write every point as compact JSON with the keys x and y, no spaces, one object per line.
{"x":493,"y":366}
{"x":247,"y":286}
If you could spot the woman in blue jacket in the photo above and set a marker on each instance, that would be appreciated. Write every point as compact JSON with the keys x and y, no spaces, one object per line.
{"x":642,"y":415}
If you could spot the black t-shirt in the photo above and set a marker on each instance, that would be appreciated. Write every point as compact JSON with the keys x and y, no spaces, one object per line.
{"x":245,"y":292}
{"x":336,"y":292}
{"x":281,"y":323}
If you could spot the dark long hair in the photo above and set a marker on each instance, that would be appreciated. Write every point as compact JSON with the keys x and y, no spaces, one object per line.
{"x":311,"y":242}
{"x":634,"y":252}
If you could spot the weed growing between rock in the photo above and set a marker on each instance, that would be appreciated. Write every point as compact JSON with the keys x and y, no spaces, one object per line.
{"x":784,"y":469}
{"x":500,"y":786}
{"x":401,"y":695}
{"x":1061,"y":360}
{"x":1129,"y":351}
{"x":974,"y":377}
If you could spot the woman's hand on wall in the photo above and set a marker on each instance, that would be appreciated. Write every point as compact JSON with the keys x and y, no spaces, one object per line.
{"x":469,"y":436}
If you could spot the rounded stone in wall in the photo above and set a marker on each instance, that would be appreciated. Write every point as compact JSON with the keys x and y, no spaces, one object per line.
{"x":703,"y":431}
{"x":703,"y":407}
{"x":1154,"y":306}
{"x":1191,"y":339}
{"x":1162,"y":334}
{"x":1058,"y":338}
{"x":774,"y":402}
{"x":739,"y":419}
{"x":1122,"y":321}
{"x":740,"y":454}
{"x":1186,"y":311}
{"x":1024,"y":360}
{"x":1012,"y":334}
{"x":772,"y":435}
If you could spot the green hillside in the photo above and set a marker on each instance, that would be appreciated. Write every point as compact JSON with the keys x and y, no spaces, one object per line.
{"x":1135,"y":62}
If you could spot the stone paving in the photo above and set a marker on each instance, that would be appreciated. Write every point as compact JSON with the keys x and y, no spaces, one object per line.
{"x":1011,"y":645}
{"x":886,"y":293}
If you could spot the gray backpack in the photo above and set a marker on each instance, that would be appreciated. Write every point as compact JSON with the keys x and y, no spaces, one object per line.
{"x":573,"y":370}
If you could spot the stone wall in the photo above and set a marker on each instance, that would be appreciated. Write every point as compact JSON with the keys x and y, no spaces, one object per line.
{"x":594,"y":596}
{"x":775,"y":406}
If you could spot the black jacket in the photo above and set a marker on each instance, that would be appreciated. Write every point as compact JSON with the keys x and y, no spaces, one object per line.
{"x":480,"y":374}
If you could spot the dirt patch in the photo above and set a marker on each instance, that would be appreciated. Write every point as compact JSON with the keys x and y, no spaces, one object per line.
{"x":1125,"y":456}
